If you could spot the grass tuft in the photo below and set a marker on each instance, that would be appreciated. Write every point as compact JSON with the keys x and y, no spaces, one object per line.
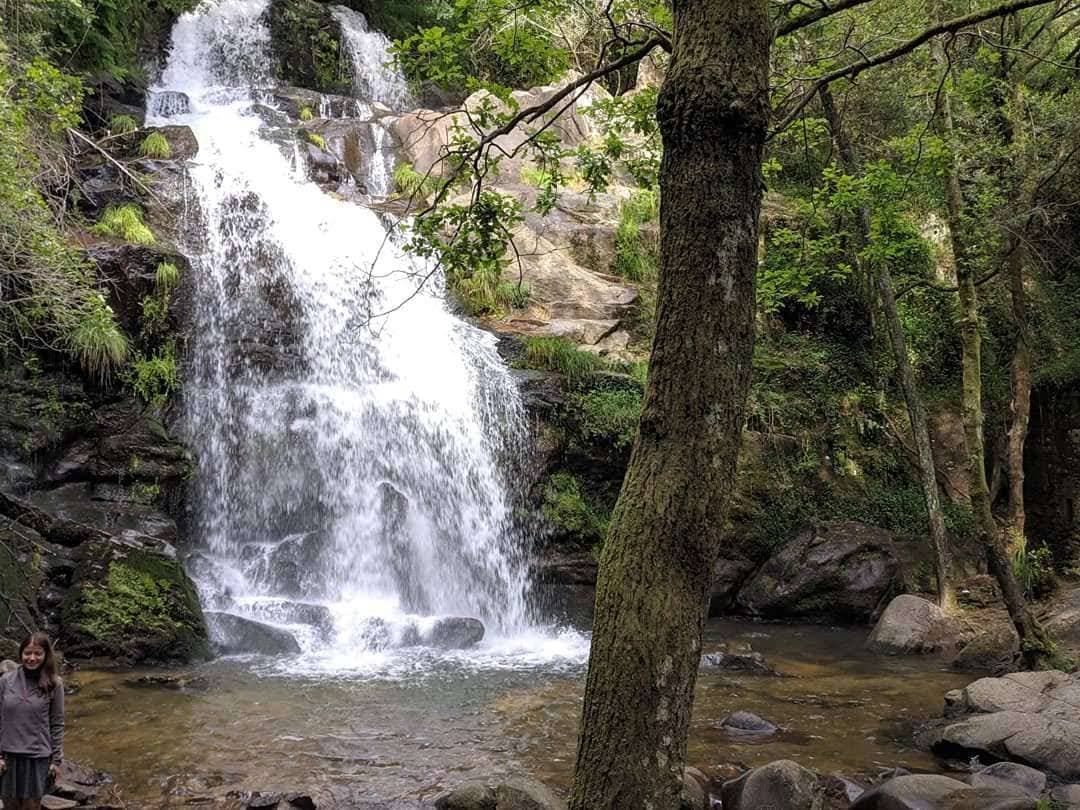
{"x":122,"y":124}
{"x":96,"y":340}
{"x":124,"y":222}
{"x":155,"y":145}
{"x":560,"y":354}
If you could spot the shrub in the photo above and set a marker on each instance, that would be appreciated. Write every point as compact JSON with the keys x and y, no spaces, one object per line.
{"x":568,"y":510}
{"x":1033,"y":567}
{"x":124,"y":222}
{"x":122,"y":124}
{"x":155,"y":378}
{"x":96,"y":340}
{"x":610,"y":415}
{"x":155,"y":145}
{"x":559,"y":354}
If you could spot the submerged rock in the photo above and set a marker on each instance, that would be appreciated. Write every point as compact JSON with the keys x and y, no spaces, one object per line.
{"x":912,"y":625}
{"x":747,"y":723}
{"x":738,"y":658}
{"x":1013,"y":774}
{"x":234,"y":634}
{"x":454,"y":633}
{"x":839,"y":571}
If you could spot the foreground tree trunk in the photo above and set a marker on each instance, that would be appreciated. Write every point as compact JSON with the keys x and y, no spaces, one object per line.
{"x":1034,"y":643}
{"x":657,"y":563}
{"x":1020,"y":374}
{"x":920,"y":432}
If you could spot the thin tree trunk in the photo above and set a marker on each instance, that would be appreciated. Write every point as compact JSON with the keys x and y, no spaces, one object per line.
{"x":920,"y":431}
{"x":1034,"y":642}
{"x":1021,"y":379}
{"x":665,"y":534}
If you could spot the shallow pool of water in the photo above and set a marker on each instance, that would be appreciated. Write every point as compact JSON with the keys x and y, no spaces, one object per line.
{"x":409,"y":727}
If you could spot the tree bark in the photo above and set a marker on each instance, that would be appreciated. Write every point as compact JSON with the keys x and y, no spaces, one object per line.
{"x":1020,"y":373}
{"x":920,"y":431}
{"x":1034,"y":642}
{"x":656,"y":566}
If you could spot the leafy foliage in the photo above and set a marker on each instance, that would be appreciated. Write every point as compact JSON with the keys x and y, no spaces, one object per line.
{"x":636,"y":248}
{"x":609,"y":415}
{"x":408,"y":181}
{"x":157,"y":377}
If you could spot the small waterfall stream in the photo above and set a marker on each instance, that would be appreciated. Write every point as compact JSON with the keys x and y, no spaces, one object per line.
{"x":353,"y":470}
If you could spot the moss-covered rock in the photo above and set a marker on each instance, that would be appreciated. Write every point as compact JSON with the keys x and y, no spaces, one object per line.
{"x":306,"y":42}
{"x":133,"y":604}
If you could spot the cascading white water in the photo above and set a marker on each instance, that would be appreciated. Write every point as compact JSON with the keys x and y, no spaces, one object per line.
{"x":352,"y":464}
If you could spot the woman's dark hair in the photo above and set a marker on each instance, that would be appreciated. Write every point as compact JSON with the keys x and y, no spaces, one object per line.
{"x":47,"y":679}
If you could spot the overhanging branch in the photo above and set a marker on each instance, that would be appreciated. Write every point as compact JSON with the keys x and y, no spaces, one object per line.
{"x":904,"y":48}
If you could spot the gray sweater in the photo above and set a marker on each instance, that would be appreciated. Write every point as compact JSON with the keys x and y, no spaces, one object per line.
{"x":31,"y":723}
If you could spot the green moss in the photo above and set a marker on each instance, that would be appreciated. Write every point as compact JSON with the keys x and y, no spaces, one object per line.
{"x":314,"y":138}
{"x":306,"y":114}
{"x":571,"y":512}
{"x":144,"y":601}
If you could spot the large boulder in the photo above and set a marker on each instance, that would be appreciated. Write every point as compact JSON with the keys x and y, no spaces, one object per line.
{"x":780,"y":785}
{"x":1027,"y":717}
{"x":513,"y":794}
{"x":730,"y":573}
{"x":130,"y":600}
{"x":234,"y":634}
{"x":839,"y":571}
{"x":1064,"y":619}
{"x":910,"y":792}
{"x":912,"y":625}
{"x":1012,"y":774}
{"x":453,"y":633}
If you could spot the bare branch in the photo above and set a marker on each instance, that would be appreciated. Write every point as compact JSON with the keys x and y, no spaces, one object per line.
{"x":947,"y":27}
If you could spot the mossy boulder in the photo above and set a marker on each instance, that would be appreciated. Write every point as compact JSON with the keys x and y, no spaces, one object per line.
{"x":133,"y":602}
{"x":306,"y":43}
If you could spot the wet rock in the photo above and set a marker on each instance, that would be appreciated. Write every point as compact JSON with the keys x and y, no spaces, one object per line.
{"x":167,"y":103}
{"x":993,"y":649}
{"x":989,"y":798}
{"x":323,"y":165}
{"x":56,"y":803}
{"x":781,"y":785}
{"x":131,"y":600}
{"x":526,"y":794}
{"x":912,"y":625}
{"x":729,"y":575}
{"x":471,"y":796}
{"x":515,"y":794}
{"x":183,"y":144}
{"x":454,"y":633}
{"x":1066,"y":795}
{"x":748,"y":723}
{"x":910,"y":792}
{"x":1029,"y":780}
{"x":695,"y":792}
{"x":176,"y":683}
{"x":1028,"y":717}
{"x":566,"y":567}
{"x":234,"y":634}
{"x":837,"y":572}
{"x":282,"y":611}
{"x":738,"y":658}
{"x":293,"y":100}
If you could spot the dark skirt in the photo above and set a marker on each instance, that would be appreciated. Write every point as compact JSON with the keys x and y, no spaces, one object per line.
{"x":25,"y":777}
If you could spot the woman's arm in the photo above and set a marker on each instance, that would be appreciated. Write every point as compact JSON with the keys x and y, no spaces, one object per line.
{"x":56,"y":722}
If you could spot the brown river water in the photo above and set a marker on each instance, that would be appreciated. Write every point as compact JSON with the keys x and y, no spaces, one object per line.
{"x":240,"y":725}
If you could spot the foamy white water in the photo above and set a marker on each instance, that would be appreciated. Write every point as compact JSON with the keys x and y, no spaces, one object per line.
{"x":353,"y":467}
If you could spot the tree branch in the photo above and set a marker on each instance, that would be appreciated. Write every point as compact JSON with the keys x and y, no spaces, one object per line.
{"x":811,"y":17}
{"x":904,"y":48}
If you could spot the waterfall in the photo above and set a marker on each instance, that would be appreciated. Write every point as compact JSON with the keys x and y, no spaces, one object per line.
{"x":354,"y":437}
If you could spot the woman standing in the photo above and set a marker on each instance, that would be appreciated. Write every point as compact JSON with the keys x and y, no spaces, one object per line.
{"x":31,"y":725}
